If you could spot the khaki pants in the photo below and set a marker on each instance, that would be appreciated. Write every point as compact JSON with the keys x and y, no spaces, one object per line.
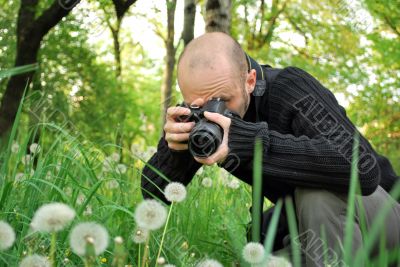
{"x":321,"y":209}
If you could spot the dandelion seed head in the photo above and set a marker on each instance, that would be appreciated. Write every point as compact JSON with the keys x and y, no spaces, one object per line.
{"x":25,"y":160}
{"x":253,"y":252}
{"x":80,"y":199}
{"x":19,"y":177}
{"x":209,"y":263}
{"x":234,"y":184}
{"x":161,"y":260}
{"x":7,"y":236}
{"x":224,"y":177}
{"x":107,"y":164}
{"x":121,"y":168}
{"x":48,"y":176}
{"x":118,"y":240}
{"x":52,"y":217}
{"x":140,"y":235}
{"x":150,"y":214}
{"x":88,"y":211}
{"x":34,"y":148}
{"x":175,"y":192}
{"x":68,"y":191}
{"x":206,"y":182}
{"x":88,"y":232}
{"x":58,"y":166}
{"x":14,"y":147}
{"x":35,"y":261}
{"x":112,"y":184}
{"x":115,"y":157}
{"x":151,"y":150}
{"x":274,"y":261}
{"x":200,"y":171}
{"x":185,"y":245}
{"x":135,"y":148}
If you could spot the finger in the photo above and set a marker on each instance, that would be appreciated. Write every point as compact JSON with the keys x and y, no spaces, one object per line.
{"x":176,"y":137}
{"x":173,"y":112}
{"x":178,"y":127}
{"x":177,"y":146}
{"x":223,"y":121}
{"x":214,"y":158}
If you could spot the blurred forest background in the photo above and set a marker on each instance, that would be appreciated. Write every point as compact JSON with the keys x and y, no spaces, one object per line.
{"x":106,"y":69}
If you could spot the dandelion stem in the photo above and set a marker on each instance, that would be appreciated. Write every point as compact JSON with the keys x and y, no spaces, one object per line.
{"x":139,"y":256}
{"x":165,"y":230}
{"x":146,"y":250}
{"x":53,"y":248}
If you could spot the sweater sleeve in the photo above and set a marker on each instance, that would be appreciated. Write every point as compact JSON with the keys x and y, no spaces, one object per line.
{"x":166,"y":166}
{"x":318,"y":156}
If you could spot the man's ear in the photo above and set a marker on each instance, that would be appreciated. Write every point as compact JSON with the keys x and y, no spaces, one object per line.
{"x":251,"y":79}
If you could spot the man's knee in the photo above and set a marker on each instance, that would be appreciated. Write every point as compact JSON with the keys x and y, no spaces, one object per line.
{"x":318,"y":206}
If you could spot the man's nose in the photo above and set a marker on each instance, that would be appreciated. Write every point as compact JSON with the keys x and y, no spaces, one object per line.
{"x":199,"y":102}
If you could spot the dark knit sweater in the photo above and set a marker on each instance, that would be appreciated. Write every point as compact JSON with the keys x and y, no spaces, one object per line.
{"x":307,"y":142}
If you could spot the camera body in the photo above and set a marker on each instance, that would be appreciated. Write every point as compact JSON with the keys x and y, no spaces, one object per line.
{"x":206,"y":136}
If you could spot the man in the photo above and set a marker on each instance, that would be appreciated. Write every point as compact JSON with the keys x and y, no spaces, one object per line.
{"x":307,"y":141}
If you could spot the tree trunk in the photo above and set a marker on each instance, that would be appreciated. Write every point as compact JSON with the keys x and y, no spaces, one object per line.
{"x":189,"y":19}
{"x":117,"y":49}
{"x":166,"y":88}
{"x":30,"y":33}
{"x":121,"y":7}
{"x":218,"y":16}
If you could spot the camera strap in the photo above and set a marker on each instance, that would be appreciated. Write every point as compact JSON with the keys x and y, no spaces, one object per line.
{"x":265,"y":75}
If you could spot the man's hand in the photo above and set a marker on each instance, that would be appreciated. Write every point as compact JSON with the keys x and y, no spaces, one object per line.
{"x":222,"y":152}
{"x":177,"y":133}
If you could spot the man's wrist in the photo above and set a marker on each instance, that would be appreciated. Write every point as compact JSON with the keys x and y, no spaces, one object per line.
{"x":241,"y":140}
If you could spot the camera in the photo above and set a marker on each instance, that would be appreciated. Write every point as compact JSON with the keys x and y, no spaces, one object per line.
{"x":206,"y":136}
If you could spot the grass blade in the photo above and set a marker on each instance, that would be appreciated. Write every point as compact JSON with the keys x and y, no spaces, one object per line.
{"x":291,"y":217}
{"x":257,"y":190}
{"x":349,"y":229}
{"x":17,"y":70}
{"x":273,"y":226}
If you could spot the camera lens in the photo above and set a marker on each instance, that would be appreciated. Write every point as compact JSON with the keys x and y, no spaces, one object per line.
{"x":205,"y":139}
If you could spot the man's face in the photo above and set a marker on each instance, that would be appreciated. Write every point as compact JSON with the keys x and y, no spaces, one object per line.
{"x":199,"y":86}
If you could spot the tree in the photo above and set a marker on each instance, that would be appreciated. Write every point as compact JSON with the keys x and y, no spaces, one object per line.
{"x":218,"y":16}
{"x":121,"y":7}
{"x":188,"y":21}
{"x":166,"y":87}
{"x":30,"y":33}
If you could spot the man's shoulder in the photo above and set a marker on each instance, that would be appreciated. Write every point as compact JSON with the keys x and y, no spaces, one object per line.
{"x":292,"y":76}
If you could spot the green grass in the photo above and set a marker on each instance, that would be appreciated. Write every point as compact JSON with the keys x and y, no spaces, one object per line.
{"x":212,"y":221}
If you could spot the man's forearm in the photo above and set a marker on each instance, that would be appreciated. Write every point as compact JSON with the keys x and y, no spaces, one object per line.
{"x":297,"y":161}
{"x":173,"y":165}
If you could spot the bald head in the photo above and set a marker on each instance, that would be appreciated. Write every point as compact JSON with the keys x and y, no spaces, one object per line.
{"x":212,"y":50}
{"x":214,"y":65}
